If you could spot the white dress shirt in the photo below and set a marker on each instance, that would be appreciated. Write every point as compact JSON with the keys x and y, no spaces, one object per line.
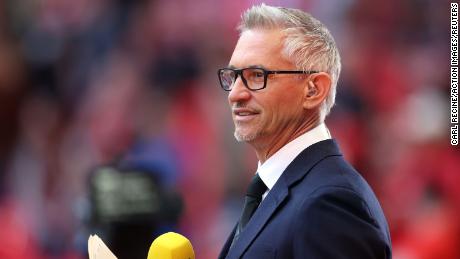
{"x":274,"y":166}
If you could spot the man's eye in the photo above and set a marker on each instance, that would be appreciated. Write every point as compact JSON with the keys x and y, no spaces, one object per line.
{"x":258,"y":74}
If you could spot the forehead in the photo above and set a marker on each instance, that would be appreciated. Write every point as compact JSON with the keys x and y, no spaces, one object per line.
{"x":260,"y":48}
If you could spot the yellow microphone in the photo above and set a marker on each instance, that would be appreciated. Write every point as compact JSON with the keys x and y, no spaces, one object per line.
{"x":171,"y":246}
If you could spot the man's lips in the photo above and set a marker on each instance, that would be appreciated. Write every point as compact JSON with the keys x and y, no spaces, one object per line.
{"x":244,"y":113}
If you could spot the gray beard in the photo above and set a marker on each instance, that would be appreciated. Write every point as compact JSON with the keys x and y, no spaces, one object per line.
{"x":245,"y":138}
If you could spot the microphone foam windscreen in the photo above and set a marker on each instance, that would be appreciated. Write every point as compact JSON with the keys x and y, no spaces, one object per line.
{"x":171,"y":246}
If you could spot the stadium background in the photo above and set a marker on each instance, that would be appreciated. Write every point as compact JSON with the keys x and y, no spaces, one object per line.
{"x":91,"y":82}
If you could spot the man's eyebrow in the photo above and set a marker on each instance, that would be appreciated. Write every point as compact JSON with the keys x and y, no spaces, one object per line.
{"x":257,"y":66}
{"x":251,"y":66}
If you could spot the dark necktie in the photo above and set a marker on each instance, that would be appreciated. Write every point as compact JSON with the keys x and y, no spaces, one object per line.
{"x":252,"y":200}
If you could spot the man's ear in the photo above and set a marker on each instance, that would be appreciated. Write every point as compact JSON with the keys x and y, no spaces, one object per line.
{"x":317,"y":89}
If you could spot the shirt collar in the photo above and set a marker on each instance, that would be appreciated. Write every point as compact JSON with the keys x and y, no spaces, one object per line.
{"x":274,"y":166}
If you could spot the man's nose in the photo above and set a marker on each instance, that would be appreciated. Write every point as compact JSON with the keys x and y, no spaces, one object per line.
{"x":239,"y":92}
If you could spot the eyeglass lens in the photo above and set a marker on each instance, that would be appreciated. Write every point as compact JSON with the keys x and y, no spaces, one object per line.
{"x":253,"y":78}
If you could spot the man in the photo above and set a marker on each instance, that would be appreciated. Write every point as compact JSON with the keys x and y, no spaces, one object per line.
{"x":305,"y":201}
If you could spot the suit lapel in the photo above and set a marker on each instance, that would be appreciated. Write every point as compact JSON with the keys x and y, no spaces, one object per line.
{"x":257,"y":221}
{"x":228,"y":243}
{"x":296,"y":171}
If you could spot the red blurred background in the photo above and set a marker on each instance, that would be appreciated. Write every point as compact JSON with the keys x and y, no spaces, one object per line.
{"x":83,"y":83}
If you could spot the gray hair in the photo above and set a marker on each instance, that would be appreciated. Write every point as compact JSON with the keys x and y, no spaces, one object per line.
{"x":308,"y":43}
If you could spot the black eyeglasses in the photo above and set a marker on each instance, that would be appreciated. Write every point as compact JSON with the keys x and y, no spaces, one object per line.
{"x":253,"y":78}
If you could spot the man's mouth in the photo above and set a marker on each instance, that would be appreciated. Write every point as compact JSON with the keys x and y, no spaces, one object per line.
{"x":244,"y":113}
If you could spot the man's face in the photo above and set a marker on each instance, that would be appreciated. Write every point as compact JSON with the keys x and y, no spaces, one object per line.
{"x":272,"y":114}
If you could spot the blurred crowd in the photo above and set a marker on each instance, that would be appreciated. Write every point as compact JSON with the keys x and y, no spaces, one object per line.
{"x":87,"y":83}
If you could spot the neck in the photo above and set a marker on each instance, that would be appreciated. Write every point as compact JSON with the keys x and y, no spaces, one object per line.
{"x":267,"y":147}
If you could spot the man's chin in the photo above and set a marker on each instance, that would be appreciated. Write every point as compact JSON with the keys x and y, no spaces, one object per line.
{"x":244,"y":137}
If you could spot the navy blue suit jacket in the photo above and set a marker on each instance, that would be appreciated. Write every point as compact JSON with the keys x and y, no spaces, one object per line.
{"x":320,"y":207}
